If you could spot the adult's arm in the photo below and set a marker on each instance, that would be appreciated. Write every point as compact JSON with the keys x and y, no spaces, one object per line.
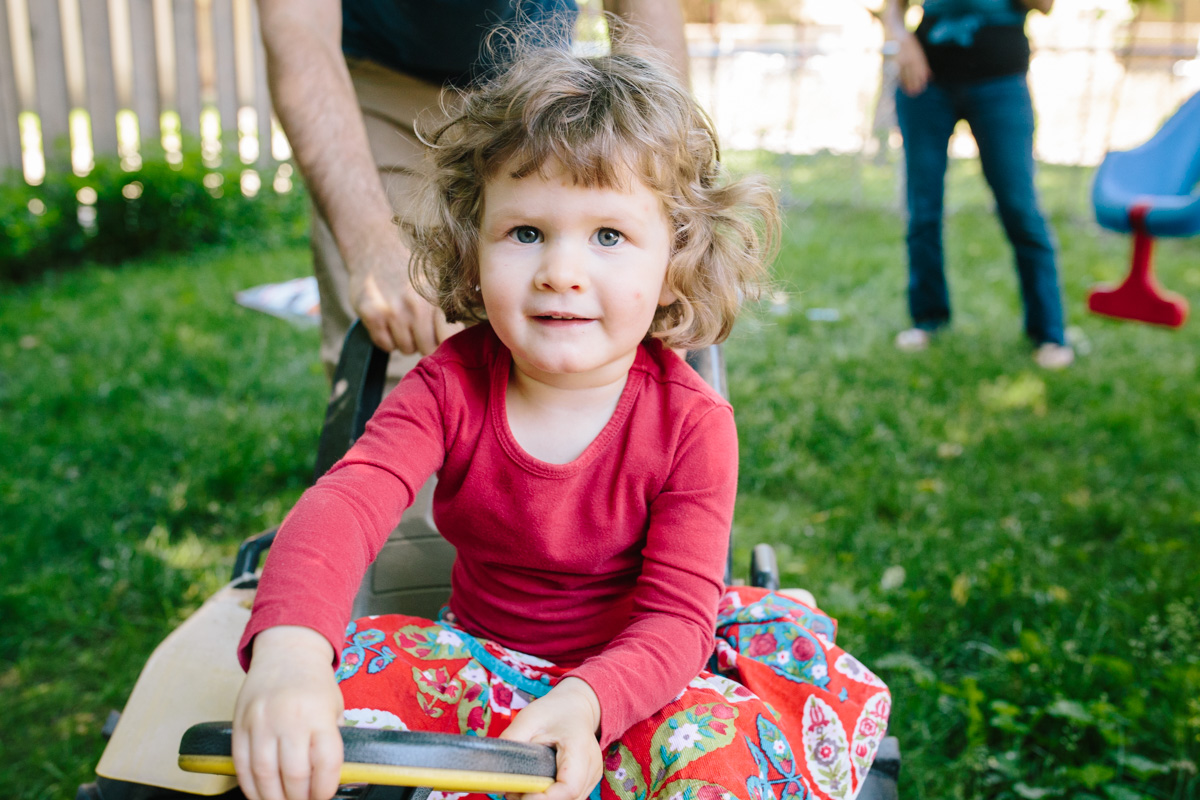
{"x":314,"y":100}
{"x":1043,"y":6}
{"x":911,"y":63}
{"x":661,"y":22}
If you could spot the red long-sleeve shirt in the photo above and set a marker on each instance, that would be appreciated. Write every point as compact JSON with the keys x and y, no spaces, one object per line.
{"x":611,"y":564}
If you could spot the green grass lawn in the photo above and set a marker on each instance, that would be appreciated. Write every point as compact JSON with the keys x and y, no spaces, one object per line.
{"x":1014,"y":551}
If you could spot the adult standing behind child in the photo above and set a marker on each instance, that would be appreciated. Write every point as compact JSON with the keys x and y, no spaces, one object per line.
{"x":576,"y":210}
{"x":969,"y":59}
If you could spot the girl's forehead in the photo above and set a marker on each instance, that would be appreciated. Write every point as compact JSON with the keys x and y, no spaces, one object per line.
{"x":621,"y":174}
{"x":556,"y":190}
{"x":622,"y":183}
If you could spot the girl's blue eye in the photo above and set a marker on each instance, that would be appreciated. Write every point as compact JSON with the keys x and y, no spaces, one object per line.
{"x":607,"y":237}
{"x":527,"y":235}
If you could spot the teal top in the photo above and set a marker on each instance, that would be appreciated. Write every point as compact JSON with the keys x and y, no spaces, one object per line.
{"x":957,"y":21}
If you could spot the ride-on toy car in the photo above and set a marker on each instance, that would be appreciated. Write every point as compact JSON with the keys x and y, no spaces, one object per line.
{"x":165,"y":743}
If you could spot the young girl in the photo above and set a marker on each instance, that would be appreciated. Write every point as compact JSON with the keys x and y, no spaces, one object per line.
{"x":586,"y":476}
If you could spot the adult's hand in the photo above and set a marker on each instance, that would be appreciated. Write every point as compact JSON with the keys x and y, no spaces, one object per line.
{"x":1043,"y":6}
{"x":395,"y":315}
{"x":315,"y":101}
{"x":912,"y":65}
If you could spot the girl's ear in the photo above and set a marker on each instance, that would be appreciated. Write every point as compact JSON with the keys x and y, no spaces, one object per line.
{"x":667,"y":297}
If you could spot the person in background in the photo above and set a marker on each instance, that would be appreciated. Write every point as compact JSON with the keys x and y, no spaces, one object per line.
{"x":348,"y":80}
{"x":968,"y":59}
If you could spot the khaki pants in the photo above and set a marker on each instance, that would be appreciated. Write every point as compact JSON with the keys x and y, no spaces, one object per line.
{"x":391,"y":103}
{"x":411,"y":573}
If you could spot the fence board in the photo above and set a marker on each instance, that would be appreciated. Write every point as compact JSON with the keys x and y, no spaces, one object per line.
{"x":10,"y":105}
{"x":101,"y":84}
{"x":223,"y":54}
{"x":187,"y":67}
{"x":53,"y":101}
{"x":262,"y":92}
{"x":145,"y":71}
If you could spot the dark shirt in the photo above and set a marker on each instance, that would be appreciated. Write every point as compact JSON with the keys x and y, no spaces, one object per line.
{"x":998,"y":50}
{"x":438,"y":40}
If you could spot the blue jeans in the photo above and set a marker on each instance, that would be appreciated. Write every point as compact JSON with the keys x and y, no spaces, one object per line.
{"x":1000,"y":114}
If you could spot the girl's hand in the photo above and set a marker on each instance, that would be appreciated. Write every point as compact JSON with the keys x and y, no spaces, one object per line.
{"x":286,"y":743}
{"x":567,"y":719}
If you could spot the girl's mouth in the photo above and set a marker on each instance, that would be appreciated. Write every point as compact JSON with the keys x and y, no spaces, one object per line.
{"x":561,"y":319}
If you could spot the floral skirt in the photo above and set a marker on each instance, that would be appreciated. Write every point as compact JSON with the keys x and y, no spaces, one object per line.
{"x":784,"y":714}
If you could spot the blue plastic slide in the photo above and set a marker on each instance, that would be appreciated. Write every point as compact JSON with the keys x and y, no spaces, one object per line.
{"x":1161,"y":176}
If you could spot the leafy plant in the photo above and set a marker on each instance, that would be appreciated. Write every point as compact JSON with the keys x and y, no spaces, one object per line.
{"x":113,"y":215}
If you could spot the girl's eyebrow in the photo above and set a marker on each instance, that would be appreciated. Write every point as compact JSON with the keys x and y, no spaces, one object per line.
{"x":623,"y":214}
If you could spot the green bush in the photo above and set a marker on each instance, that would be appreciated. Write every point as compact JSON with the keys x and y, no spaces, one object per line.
{"x":158,"y":208}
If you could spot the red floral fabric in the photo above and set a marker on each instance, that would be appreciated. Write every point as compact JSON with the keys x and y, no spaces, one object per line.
{"x":784,"y":714}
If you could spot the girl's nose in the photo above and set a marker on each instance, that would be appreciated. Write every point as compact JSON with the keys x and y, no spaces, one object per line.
{"x":562,"y":269}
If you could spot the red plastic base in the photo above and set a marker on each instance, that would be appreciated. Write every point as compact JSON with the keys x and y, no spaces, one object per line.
{"x":1137,"y":302}
{"x":1140,"y":298}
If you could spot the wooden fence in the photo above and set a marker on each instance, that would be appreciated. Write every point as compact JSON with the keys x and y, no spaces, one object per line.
{"x":153,"y":59}
{"x":1100,"y":79}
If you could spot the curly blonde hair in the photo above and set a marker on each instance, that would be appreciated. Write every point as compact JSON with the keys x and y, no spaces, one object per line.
{"x":598,"y":118}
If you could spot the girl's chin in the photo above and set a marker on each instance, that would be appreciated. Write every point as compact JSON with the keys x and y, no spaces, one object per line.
{"x":573,"y":372}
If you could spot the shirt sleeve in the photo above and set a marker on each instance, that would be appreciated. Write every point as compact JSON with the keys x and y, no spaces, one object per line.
{"x":338,"y":526}
{"x":670,"y":634}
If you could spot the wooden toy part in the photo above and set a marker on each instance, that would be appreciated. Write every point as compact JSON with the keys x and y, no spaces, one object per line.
{"x":191,"y":677}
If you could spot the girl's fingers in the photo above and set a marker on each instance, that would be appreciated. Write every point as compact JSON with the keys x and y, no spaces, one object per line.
{"x":264,"y":767}
{"x":288,"y":768}
{"x":295,"y":767}
{"x":326,"y":756}
{"x":240,"y":750}
{"x":576,"y":778}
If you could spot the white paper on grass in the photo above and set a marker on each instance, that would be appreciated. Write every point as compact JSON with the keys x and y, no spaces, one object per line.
{"x":296,"y":300}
